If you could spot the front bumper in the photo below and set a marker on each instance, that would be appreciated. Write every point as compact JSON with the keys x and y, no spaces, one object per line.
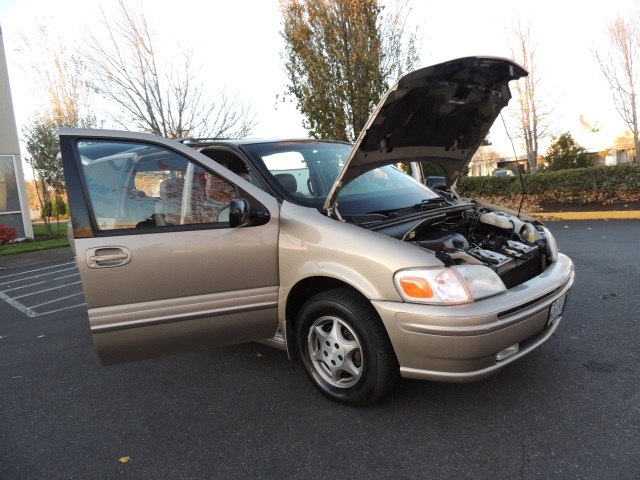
{"x":459,"y":343}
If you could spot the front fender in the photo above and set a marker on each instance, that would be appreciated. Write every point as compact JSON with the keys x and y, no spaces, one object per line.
{"x":313,"y":245}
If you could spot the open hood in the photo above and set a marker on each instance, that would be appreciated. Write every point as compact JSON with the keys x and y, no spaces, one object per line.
{"x":438,"y":114}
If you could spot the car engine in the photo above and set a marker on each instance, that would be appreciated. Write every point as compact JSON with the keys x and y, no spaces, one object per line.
{"x":517,"y":250}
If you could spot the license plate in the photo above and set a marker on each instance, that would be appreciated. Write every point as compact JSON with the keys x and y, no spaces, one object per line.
{"x":555,"y":312}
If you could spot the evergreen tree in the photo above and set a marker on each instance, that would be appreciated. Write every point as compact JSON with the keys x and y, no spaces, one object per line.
{"x":564,"y":153}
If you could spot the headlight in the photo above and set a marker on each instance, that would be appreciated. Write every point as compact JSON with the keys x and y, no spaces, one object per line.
{"x":552,"y":246}
{"x":448,"y":286}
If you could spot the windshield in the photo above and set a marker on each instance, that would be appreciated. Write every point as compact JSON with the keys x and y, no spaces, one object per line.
{"x":305,"y":171}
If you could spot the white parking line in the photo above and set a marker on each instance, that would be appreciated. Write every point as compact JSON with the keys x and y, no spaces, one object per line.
{"x":56,"y":300}
{"x":45,"y":277}
{"x":34,"y":276}
{"x":46,"y":290}
{"x":24,"y":286}
{"x":17,"y":305}
{"x":39,"y":269}
{"x":40,"y":283}
{"x":59,"y":309}
{"x":66,"y":276}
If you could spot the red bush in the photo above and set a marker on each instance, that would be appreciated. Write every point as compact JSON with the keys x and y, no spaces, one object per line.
{"x":7,"y":234}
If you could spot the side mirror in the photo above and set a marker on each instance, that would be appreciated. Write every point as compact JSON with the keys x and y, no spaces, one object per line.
{"x":239,"y":213}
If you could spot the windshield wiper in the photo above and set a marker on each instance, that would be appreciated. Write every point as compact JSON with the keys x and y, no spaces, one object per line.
{"x":429,"y":203}
{"x":426,"y":204}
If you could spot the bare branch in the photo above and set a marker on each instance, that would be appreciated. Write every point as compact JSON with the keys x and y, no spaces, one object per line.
{"x":484,"y":161}
{"x":533,"y":114}
{"x":154,"y":95}
{"x":617,"y":63}
{"x":57,"y":71}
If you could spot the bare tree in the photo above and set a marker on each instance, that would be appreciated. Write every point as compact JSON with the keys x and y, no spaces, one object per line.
{"x":156,"y":96}
{"x":484,"y":161}
{"x":399,"y":51}
{"x":57,"y":76}
{"x":533,"y":113}
{"x":618,"y":66}
{"x":57,"y":80}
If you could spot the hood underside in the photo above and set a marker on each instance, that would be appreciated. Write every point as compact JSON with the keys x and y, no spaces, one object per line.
{"x":440,"y":114}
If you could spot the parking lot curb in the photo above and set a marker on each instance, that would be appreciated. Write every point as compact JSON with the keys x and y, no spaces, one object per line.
{"x":609,"y":215}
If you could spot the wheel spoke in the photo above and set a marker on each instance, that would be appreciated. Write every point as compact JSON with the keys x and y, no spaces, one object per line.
{"x":335,"y":329}
{"x":335,"y":375}
{"x":317,"y":356}
{"x":320,"y":333}
{"x":338,"y":332}
{"x":349,"y":346}
{"x":351,"y":369}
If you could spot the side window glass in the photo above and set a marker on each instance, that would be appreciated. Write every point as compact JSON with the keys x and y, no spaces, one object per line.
{"x":135,"y":185}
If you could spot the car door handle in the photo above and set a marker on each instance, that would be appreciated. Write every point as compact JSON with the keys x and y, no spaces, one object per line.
{"x":106,"y":257}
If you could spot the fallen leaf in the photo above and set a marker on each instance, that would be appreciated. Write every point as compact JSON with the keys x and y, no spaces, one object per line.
{"x":607,"y":295}
{"x":124,"y":459}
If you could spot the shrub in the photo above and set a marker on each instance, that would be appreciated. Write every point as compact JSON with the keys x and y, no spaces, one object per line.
{"x":565,"y":153}
{"x":61,"y":207}
{"x":47,"y":210}
{"x":615,"y":184}
{"x":7,"y":234}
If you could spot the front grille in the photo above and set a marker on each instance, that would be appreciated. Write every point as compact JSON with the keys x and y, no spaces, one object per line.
{"x":526,"y":305}
{"x":522,"y":273}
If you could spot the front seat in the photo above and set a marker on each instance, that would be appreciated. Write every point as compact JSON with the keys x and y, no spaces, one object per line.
{"x":245,"y":176}
{"x":288,"y":182}
{"x":169,"y":207}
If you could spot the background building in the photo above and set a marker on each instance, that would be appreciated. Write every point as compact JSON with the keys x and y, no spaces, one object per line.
{"x":14,"y":207}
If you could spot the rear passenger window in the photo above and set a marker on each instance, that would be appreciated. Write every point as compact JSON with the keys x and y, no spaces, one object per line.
{"x":135,"y":185}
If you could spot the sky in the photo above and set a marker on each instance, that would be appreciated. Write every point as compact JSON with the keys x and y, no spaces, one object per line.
{"x":238,"y":44}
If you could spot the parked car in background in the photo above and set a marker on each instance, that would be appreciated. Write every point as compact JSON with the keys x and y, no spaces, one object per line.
{"x":324,"y":249}
{"x":503,"y":173}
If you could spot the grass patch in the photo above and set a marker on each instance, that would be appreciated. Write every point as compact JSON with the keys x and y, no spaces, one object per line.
{"x":39,"y":230}
{"x":41,"y":240}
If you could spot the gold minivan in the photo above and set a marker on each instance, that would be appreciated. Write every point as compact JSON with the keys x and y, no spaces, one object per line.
{"x":328,"y":250}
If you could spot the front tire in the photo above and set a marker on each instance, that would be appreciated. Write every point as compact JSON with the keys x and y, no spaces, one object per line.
{"x":344,"y":348}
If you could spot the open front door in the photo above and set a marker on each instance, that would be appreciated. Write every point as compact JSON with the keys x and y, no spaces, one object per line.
{"x":162,"y":270}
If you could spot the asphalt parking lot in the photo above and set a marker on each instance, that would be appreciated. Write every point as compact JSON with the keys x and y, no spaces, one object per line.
{"x":569,"y":410}
{"x":43,"y":289}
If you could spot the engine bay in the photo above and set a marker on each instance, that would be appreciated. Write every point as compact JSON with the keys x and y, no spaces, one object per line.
{"x":517,"y":250}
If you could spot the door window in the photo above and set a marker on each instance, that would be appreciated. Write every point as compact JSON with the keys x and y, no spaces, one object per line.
{"x":136,"y":185}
